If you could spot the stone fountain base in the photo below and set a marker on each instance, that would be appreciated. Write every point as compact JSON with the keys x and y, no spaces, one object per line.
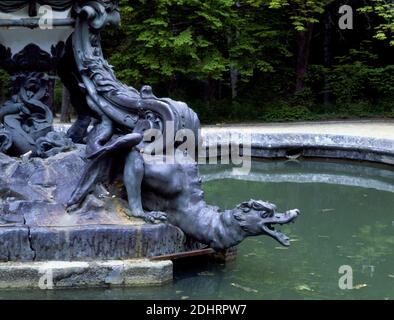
{"x":89,"y":246}
{"x":91,"y":242}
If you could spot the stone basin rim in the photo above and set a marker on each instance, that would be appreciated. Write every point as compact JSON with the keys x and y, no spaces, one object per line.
{"x":270,"y":145}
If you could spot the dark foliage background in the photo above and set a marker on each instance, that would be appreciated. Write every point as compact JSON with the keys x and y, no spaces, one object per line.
{"x":258,"y":60}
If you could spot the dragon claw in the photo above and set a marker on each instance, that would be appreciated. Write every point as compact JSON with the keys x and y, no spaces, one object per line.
{"x":152,"y":216}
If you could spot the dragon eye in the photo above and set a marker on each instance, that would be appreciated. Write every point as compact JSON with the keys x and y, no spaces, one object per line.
{"x":245,"y":209}
{"x":265,"y":214}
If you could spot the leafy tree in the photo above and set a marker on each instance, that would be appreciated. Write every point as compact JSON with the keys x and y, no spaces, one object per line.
{"x":205,"y":41}
{"x":385,"y":10}
{"x":303,"y":15}
{"x":235,"y":60}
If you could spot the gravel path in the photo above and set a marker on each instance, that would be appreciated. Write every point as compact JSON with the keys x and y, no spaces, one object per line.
{"x":379,"y":129}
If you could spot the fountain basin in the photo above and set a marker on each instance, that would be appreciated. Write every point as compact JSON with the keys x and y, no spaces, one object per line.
{"x":347,"y":219}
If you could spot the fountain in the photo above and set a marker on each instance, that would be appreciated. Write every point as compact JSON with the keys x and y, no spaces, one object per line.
{"x":85,"y":208}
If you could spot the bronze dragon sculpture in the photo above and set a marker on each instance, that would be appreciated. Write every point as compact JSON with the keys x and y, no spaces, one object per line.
{"x":120,"y":115}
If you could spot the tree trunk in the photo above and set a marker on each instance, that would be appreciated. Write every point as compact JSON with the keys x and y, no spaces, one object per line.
{"x":303,"y":49}
{"x":327,"y":54}
{"x":50,"y":99}
{"x":209,"y":90}
{"x":65,"y":110}
{"x":234,"y":74}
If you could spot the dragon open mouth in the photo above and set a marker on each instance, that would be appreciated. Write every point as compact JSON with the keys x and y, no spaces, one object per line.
{"x":284,"y":218}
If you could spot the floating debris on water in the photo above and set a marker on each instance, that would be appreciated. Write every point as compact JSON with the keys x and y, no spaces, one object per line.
{"x":359,"y":286}
{"x":304,"y":287}
{"x":251,"y":254}
{"x":247,"y":289}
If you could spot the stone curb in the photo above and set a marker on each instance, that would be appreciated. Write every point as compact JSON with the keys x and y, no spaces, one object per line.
{"x":277,"y":145}
{"x":74,"y":274}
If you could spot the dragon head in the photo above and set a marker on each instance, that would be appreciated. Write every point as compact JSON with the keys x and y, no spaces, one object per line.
{"x":259,"y":217}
